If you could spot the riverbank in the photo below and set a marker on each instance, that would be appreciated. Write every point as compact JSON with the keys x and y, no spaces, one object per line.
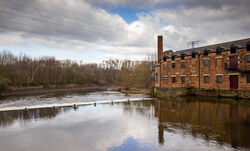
{"x":132,"y":90}
{"x":14,"y":91}
{"x":137,"y":91}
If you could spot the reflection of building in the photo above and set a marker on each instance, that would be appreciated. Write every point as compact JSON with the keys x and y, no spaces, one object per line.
{"x":221,"y":66}
{"x":213,"y":121}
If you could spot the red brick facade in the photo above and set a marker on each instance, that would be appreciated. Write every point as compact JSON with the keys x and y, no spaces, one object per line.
{"x":206,"y":67}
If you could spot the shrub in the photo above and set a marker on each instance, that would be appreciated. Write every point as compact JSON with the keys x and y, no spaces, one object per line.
{"x":3,"y":85}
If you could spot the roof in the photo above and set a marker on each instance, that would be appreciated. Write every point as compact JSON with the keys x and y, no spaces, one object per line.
{"x":226,"y":45}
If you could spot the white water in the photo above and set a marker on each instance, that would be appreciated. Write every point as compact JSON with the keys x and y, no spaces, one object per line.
{"x":44,"y":101}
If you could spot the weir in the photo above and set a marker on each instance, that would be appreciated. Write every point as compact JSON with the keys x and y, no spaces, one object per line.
{"x":71,"y":104}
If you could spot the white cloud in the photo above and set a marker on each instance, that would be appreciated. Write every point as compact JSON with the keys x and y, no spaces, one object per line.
{"x":83,"y":25}
{"x":204,"y":24}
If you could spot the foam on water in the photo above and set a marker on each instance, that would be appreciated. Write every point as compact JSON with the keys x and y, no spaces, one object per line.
{"x":46,"y":101}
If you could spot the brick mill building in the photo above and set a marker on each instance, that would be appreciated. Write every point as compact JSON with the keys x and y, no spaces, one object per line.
{"x":224,"y":66}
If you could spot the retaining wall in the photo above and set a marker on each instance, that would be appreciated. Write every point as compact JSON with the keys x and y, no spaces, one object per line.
{"x":174,"y":92}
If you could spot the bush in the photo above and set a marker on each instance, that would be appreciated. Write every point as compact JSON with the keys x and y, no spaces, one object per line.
{"x":3,"y":85}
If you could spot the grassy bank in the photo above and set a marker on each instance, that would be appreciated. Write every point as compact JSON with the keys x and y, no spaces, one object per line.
{"x":17,"y":91}
{"x":136,"y":91}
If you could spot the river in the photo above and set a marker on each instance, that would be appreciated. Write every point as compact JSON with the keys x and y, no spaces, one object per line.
{"x":190,"y":123}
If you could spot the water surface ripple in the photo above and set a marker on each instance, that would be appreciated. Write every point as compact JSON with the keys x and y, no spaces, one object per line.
{"x":152,"y":125}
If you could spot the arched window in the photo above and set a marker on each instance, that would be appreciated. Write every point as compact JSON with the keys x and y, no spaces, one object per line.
{"x":165,"y":58}
{"x":248,"y":46}
{"x":193,"y":54}
{"x":182,"y":56}
{"x":205,"y":52}
{"x":233,"y":49}
{"x":219,"y":50}
{"x":173,"y":57}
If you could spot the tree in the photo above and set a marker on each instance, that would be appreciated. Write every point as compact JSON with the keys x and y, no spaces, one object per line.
{"x":3,"y":85}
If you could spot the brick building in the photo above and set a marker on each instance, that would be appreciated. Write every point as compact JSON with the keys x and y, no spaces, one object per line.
{"x":221,"y":66}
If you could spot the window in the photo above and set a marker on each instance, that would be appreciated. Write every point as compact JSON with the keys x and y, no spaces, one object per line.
{"x":173,"y":79}
{"x":219,"y":78}
{"x":165,"y":78}
{"x":183,"y":65}
{"x":206,"y":62}
{"x":193,"y":54}
{"x":206,"y":79}
{"x":205,"y":53}
{"x":182,"y":56}
{"x":174,"y":105}
{"x":218,"y":50}
{"x":233,"y":49}
{"x":165,"y":58}
{"x":248,"y":78}
{"x":173,"y":65}
{"x":173,"y":57}
{"x":248,"y":58}
{"x":156,"y":78}
{"x":182,"y":79}
{"x":248,"y":46}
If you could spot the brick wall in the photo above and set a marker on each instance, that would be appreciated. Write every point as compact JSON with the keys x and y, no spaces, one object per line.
{"x":195,"y":71}
{"x":157,"y":76}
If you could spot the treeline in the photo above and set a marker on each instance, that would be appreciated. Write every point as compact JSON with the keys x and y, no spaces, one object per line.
{"x":24,"y":71}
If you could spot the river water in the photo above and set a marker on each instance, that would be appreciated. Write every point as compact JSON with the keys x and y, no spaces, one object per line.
{"x":190,"y":123}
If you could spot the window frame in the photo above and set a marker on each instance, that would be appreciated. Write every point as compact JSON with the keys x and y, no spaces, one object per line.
{"x":219,"y":51}
{"x":182,"y":56}
{"x":165,"y":58}
{"x":193,"y":55}
{"x":173,"y":65}
{"x":206,"y":79}
{"x":205,"y":53}
{"x":217,"y":79}
{"x":173,"y":57}
{"x":206,"y":64}
{"x":233,"y":49}
{"x":248,"y":46}
{"x":174,"y":79}
{"x":248,"y":58}
{"x":183,"y":79}
{"x":183,"y":65}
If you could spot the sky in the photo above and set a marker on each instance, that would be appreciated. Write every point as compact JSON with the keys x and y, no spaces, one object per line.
{"x":96,"y":30}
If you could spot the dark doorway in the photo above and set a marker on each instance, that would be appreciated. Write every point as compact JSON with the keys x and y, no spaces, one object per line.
{"x":233,"y":62}
{"x":233,"y":81}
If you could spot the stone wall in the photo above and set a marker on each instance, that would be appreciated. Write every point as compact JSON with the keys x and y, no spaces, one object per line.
{"x":175,"y":92}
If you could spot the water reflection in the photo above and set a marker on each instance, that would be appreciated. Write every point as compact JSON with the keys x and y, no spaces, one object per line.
{"x":221,"y":122}
{"x":174,"y":124}
{"x":8,"y":118}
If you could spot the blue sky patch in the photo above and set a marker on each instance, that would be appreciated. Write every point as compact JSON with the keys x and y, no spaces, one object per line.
{"x":131,"y":144}
{"x":129,"y":14}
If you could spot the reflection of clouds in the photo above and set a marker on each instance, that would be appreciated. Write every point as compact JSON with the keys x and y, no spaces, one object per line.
{"x":131,"y":144}
{"x":89,"y":128}
{"x":121,"y":126}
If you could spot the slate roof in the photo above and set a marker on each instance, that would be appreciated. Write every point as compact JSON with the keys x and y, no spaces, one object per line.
{"x":226,"y":45}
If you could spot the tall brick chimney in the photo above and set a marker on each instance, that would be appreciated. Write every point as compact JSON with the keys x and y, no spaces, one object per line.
{"x":160,"y":48}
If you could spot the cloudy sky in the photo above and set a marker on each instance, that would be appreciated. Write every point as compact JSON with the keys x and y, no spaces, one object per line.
{"x":95,"y":30}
